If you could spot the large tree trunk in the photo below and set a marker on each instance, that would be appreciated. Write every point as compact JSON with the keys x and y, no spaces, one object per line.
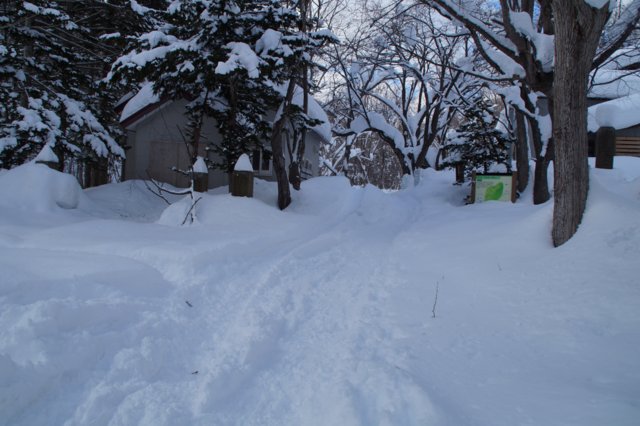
{"x":578,"y":27}
{"x":522,"y":151}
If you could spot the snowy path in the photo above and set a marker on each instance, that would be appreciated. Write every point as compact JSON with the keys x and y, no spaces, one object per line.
{"x":322,"y":315}
{"x":296,"y":332}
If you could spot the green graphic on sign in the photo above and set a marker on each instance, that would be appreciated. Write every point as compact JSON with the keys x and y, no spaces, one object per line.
{"x":493,"y":188}
{"x":494,"y":192}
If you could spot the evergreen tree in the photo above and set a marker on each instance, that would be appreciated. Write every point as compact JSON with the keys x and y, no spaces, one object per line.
{"x":50,"y":61}
{"x":231,"y":59}
{"x":478,"y":144}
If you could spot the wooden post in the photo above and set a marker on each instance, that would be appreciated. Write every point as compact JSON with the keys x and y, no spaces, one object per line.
{"x":472,"y":198}
{"x":54,"y":165}
{"x":242,"y":185}
{"x":200,"y":175}
{"x":460,"y":173}
{"x":200,"y":182}
{"x":605,"y":147}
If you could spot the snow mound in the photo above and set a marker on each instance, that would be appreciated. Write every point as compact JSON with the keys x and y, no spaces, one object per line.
{"x":175,"y":214}
{"x":326,"y":196}
{"x":37,"y":187}
{"x":129,"y":200}
{"x":223,"y":210}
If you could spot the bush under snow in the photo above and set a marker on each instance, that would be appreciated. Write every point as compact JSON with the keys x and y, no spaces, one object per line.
{"x":37,"y":187}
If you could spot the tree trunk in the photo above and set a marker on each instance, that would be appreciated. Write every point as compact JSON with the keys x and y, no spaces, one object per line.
{"x":522,"y":152}
{"x":284,"y":192}
{"x":540,"y":181}
{"x":577,"y":31}
{"x":295,"y":177}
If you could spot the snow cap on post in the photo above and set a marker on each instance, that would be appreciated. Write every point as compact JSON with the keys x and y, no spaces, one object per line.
{"x":47,"y":157}
{"x":200,"y":175}
{"x":243,"y":164}
{"x":200,"y":166}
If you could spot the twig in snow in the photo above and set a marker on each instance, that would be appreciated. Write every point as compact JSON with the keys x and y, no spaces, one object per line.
{"x":188,"y":303}
{"x":189,"y":212}
{"x":155,"y":193}
{"x":435,"y":302}
{"x":194,"y":372}
{"x":160,"y":189}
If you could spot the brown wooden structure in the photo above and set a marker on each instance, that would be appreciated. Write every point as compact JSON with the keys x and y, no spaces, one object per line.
{"x":628,"y":145}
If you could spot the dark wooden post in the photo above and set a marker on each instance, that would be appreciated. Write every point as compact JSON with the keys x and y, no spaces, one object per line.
{"x":605,"y":147}
{"x":460,"y":173}
{"x":200,"y":175}
{"x":200,"y":182}
{"x":472,"y":197}
{"x":242,"y":184}
{"x":242,"y":178}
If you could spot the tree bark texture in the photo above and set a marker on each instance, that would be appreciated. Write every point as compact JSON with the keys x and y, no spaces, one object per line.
{"x":284,"y":192}
{"x":540,"y":182}
{"x":578,"y":27}
{"x":522,"y":151}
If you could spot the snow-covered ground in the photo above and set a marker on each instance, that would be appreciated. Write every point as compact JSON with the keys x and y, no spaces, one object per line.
{"x":113,"y":314}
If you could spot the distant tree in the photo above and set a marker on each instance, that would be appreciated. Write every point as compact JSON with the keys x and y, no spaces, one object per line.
{"x":479,"y":143}
{"x":397,"y":79}
{"x":372,"y":161}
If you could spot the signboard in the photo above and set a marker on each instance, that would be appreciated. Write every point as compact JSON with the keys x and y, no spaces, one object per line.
{"x":493,"y":187}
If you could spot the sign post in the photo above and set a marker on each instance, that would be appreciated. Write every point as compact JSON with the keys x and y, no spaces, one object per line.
{"x":493,"y":187}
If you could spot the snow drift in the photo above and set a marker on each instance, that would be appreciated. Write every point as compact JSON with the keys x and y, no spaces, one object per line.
{"x":39,"y":188}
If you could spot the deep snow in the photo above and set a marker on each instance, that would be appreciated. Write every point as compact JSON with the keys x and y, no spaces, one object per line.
{"x":113,"y":314}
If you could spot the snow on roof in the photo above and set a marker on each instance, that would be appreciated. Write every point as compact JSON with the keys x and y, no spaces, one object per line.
{"x":124,"y":99}
{"x":142,"y":99}
{"x":146,"y":97}
{"x":611,"y":84}
{"x":619,"y":113}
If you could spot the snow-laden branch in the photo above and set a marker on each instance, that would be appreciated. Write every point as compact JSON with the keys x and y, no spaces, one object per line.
{"x":460,"y":13}
{"x":617,"y":34}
